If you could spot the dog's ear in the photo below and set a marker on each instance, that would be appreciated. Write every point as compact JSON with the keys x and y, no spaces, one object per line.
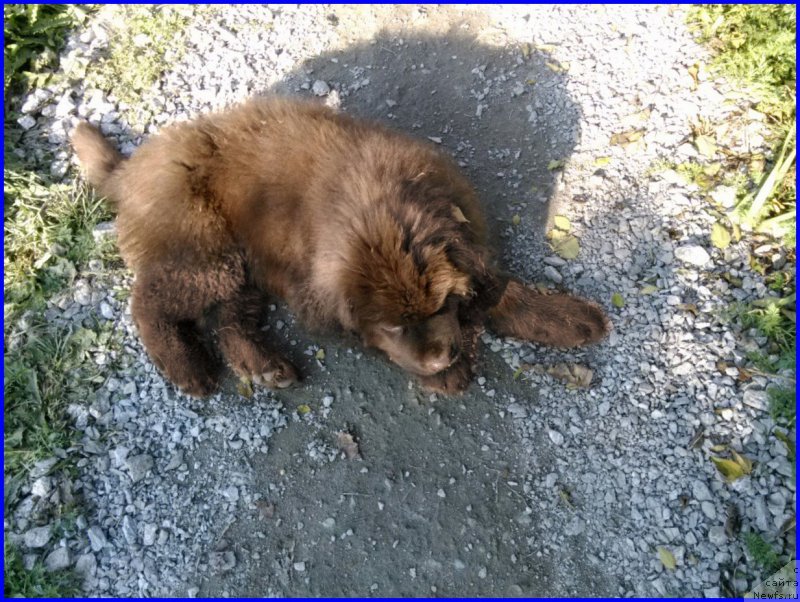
{"x":487,"y":283}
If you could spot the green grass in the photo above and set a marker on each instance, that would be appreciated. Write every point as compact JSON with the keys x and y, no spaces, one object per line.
{"x":46,"y":367}
{"x":772,"y":317}
{"x":37,"y":582}
{"x":33,"y":36}
{"x":763,"y":554}
{"x":48,"y":232}
{"x":782,"y":406}
{"x":47,"y":242}
{"x":754,"y":45}
{"x":137,"y":50}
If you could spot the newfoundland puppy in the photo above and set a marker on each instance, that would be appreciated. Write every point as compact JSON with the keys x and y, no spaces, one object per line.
{"x":351,"y":224}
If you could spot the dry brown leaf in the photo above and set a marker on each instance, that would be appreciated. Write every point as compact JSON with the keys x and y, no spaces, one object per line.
{"x":565,"y":245}
{"x":667,"y":558}
{"x":244,"y":388}
{"x":348,"y":445}
{"x":458,"y":215}
{"x":706,"y":145}
{"x":629,"y":137}
{"x":575,"y":375}
{"x":743,"y":461}
{"x":697,"y":439}
{"x":693,"y":71}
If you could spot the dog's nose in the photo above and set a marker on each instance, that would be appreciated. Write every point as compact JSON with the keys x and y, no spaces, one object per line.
{"x":437,"y":364}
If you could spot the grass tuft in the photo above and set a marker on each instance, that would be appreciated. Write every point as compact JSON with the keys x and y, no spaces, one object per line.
{"x":762,"y":552}
{"x":33,"y":35}
{"x":20,"y":582}
{"x":782,"y":406}
{"x":143,"y":38}
{"x":754,"y":44}
{"x":48,"y":232}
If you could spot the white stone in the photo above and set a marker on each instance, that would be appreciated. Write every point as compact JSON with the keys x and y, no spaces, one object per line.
{"x":149,"y":535}
{"x":42,"y":486}
{"x":556,"y":437}
{"x":26,"y":122}
{"x":320,"y":88}
{"x":693,"y":254}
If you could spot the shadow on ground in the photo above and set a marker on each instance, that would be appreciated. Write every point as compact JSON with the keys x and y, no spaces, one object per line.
{"x":435,"y":505}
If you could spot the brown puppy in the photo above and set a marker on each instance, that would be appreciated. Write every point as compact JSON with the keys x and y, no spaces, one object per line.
{"x":351,"y":224}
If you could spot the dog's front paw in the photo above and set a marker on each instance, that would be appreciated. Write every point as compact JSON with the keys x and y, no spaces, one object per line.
{"x":452,"y":381}
{"x":279,"y":375}
{"x":198,"y":385}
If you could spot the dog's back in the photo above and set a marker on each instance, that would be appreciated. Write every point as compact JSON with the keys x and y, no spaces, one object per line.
{"x":273,"y":177}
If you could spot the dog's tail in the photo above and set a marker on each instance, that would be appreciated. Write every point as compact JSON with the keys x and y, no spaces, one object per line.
{"x":556,"y":319}
{"x":96,"y":155}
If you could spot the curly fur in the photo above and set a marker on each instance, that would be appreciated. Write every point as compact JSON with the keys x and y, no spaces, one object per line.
{"x":353,"y":225}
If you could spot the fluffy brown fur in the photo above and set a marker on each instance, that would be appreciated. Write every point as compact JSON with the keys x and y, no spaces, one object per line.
{"x":351,"y":224}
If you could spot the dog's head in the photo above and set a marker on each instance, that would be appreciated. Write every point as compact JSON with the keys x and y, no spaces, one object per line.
{"x":410,"y":278}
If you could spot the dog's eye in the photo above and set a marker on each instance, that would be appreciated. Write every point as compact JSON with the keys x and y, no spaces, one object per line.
{"x":392,"y":329}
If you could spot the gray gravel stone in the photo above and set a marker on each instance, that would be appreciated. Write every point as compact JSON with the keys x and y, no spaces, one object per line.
{"x":149,"y":534}
{"x":106,"y":311}
{"x":138,"y":466}
{"x":104,"y":229}
{"x":38,"y":536}
{"x":97,"y":538}
{"x":86,"y":565}
{"x":756,"y":399}
{"x":221,"y":562}
{"x":553,"y":274}
{"x":320,"y":88}
{"x":58,"y":560}
{"x":129,"y":529}
{"x":26,"y":122}
{"x":701,"y":491}
{"x":42,"y":487}
{"x":42,"y":467}
{"x":717,"y":536}
{"x":555,"y":261}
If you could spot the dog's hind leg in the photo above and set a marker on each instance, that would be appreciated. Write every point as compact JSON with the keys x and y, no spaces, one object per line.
{"x":174,"y":343}
{"x":556,"y":319}
{"x":244,"y":345}
{"x":169,"y":305}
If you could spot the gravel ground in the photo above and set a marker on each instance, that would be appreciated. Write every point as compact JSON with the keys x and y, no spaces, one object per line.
{"x":521,"y":487}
